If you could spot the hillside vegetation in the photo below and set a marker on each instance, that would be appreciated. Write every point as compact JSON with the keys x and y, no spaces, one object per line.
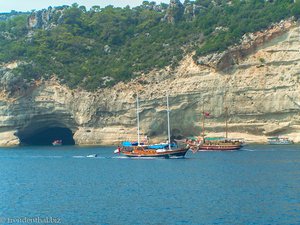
{"x":101,"y":46}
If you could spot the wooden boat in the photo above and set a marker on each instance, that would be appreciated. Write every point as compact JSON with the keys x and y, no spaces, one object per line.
{"x":160,"y":150}
{"x":142,"y":151}
{"x":280,"y":141}
{"x":219,"y":143}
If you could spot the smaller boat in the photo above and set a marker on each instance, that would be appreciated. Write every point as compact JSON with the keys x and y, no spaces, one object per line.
{"x":220,"y":143}
{"x":280,"y":141}
{"x":92,"y":156}
{"x":216,"y":143}
{"x":57,"y":142}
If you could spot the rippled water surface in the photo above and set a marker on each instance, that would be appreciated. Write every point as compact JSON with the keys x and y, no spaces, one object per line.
{"x":258,"y":185}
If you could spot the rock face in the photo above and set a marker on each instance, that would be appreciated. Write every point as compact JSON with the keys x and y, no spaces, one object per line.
{"x":46,"y":18}
{"x":191,"y":10}
{"x":174,"y":12}
{"x":249,"y":43}
{"x":261,"y":90}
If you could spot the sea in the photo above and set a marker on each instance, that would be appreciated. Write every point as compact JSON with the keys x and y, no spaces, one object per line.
{"x":259,"y":184}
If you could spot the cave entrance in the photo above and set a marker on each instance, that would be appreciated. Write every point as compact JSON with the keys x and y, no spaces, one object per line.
{"x":46,"y":136}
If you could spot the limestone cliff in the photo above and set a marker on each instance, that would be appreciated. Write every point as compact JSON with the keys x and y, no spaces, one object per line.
{"x":258,"y":81}
{"x":46,"y":18}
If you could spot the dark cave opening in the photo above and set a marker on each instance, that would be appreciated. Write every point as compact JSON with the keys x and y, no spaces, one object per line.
{"x":47,"y":136}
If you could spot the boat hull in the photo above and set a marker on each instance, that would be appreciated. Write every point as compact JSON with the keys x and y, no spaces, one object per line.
{"x":280,"y":141}
{"x":220,"y":147}
{"x":57,"y":144}
{"x":285,"y":142}
{"x":154,"y":154}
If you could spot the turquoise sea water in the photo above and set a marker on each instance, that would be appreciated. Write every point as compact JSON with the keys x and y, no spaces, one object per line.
{"x":258,"y":185}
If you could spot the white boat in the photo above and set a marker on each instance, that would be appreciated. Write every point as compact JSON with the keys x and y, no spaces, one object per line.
{"x":279,"y":141}
{"x":92,"y":156}
{"x":57,"y":142}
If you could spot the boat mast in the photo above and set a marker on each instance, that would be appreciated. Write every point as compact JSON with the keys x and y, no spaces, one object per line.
{"x":203,"y":122}
{"x":226,"y":122}
{"x":203,"y":114}
{"x":168,"y":113}
{"x":138,"y":118}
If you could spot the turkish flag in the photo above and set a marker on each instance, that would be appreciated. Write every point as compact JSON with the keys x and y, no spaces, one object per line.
{"x":207,"y":114}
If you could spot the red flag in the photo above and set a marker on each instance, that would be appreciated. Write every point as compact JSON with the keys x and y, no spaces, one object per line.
{"x":207,"y":114}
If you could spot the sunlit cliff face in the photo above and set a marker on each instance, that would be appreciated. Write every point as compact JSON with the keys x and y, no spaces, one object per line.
{"x":261,"y":91}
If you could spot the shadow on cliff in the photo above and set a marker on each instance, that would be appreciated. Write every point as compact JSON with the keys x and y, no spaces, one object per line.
{"x":47,"y":136}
